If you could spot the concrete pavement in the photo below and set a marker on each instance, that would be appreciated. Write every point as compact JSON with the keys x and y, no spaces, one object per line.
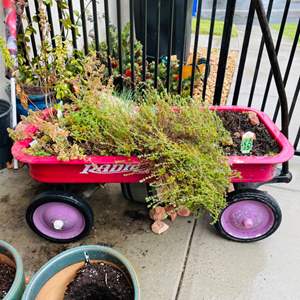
{"x":269,"y":269}
{"x":185,"y":263}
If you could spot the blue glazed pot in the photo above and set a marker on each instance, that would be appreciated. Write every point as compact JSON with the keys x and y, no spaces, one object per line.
{"x":37,"y":102}
{"x":10,"y":253}
{"x":59,"y":265}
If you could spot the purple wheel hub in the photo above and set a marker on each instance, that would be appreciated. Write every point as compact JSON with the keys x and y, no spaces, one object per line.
{"x":59,"y":220}
{"x":247,"y":219}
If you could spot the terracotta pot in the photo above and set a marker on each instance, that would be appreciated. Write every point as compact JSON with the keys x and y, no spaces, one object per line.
{"x":51,"y":281}
{"x":11,"y":257}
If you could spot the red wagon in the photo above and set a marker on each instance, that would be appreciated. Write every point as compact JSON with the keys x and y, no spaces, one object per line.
{"x":62,"y":217}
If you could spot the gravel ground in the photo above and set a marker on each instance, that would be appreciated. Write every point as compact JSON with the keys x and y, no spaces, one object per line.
{"x":214,"y":60}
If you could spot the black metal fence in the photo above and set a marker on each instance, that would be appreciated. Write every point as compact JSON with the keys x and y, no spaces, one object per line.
{"x":286,"y":107}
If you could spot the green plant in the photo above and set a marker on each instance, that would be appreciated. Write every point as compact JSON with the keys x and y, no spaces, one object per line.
{"x":177,"y":140}
{"x":54,"y":70}
{"x":218,"y":27}
{"x":138,"y":65}
{"x":289,"y":30}
{"x":8,"y":61}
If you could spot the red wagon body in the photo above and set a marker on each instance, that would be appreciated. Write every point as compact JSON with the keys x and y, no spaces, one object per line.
{"x":250,"y":215}
{"x":120,"y":169}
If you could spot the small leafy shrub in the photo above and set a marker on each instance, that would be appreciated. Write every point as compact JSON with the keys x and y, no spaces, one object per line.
{"x":138,"y":65}
{"x":178,"y":140}
{"x":54,"y":70}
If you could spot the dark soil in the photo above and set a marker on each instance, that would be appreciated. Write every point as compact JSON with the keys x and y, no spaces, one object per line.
{"x":237,"y":124}
{"x":7,"y":276}
{"x":33,"y":90}
{"x":100,"y":281}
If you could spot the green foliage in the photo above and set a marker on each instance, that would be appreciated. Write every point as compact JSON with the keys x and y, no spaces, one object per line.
{"x":177,"y":140}
{"x":6,"y":55}
{"x":55,"y":69}
{"x":289,"y":30}
{"x":218,"y":27}
{"x":138,"y":65}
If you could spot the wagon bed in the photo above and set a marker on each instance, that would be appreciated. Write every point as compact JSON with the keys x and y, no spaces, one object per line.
{"x":121,"y":169}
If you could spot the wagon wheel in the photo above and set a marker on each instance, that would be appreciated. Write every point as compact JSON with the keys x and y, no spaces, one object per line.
{"x":59,"y":217}
{"x":250,"y":216}
{"x":136,"y":192}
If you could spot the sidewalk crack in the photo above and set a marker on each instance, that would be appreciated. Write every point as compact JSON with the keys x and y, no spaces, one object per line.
{"x":186,"y":260}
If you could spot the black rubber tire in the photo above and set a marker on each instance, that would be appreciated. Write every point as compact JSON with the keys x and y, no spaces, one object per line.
{"x":136,"y":192}
{"x":68,"y":198}
{"x":251,"y":194}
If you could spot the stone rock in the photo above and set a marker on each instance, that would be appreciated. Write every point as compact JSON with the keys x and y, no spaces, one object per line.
{"x":237,"y":135}
{"x":173,"y":216}
{"x":183,"y":212}
{"x":159,"y":227}
{"x":157,"y":213}
{"x":253,"y":118}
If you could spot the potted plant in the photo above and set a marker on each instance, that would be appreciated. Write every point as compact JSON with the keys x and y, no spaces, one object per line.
{"x":95,"y":271}
{"x":5,"y":141}
{"x":187,"y":152}
{"x":124,"y":81}
{"x":49,"y":75}
{"x":12,"y":280}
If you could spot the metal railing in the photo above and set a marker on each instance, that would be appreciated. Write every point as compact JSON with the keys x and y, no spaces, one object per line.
{"x":256,"y":9}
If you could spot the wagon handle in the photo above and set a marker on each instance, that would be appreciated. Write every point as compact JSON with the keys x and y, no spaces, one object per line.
{"x":264,"y":25}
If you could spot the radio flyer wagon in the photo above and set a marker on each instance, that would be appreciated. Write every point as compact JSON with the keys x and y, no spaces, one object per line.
{"x":250,"y":215}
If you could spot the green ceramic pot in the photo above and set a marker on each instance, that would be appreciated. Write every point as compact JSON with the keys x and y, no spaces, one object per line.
{"x":17,"y":288}
{"x":48,"y":274}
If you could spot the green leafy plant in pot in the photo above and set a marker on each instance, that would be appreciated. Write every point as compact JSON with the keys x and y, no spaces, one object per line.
{"x":49,"y":76}
{"x":124,"y":81}
{"x":178,"y":140}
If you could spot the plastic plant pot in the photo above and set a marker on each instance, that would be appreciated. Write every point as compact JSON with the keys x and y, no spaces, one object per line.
{"x":5,"y":141}
{"x":137,"y":192}
{"x":51,"y":280}
{"x":36,"y":102}
{"x":10,"y":256}
{"x":178,"y":35}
